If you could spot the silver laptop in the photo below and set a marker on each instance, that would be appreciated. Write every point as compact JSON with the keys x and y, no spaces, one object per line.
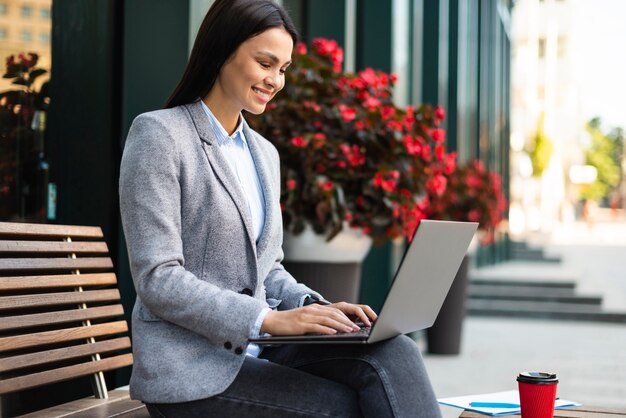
{"x":418,"y":289}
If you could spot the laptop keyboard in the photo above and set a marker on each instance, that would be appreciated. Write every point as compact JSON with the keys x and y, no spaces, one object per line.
{"x":363,"y":331}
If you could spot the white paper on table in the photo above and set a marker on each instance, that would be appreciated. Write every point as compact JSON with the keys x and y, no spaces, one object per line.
{"x":511,"y":397}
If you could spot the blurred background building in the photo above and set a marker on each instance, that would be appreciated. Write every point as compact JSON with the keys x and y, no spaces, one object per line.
{"x":556,"y":59}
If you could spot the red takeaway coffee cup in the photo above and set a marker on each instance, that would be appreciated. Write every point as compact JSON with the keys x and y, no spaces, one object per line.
{"x":537,"y":392}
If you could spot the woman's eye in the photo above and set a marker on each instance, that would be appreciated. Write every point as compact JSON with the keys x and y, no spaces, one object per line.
{"x":264,"y":65}
{"x":283,"y":70}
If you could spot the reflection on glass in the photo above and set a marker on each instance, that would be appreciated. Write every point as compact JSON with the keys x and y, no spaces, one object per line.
{"x":25,"y":52}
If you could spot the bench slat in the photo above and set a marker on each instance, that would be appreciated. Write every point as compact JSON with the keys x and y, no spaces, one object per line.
{"x":64,"y":373}
{"x":57,"y":299}
{"x":80,"y":405}
{"x":60,"y":280}
{"x":127,"y":408}
{"x":50,"y":356}
{"x":32,"y":264}
{"x":60,"y":317}
{"x":61,"y":335}
{"x":8,"y":247}
{"x":10,"y":229}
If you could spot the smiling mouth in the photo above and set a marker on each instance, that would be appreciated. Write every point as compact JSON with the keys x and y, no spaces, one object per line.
{"x":264,"y":94}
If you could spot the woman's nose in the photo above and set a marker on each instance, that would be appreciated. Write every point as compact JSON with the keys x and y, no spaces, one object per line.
{"x":274,"y":81}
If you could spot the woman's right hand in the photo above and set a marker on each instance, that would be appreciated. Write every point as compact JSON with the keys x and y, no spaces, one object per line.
{"x":314,"y":318}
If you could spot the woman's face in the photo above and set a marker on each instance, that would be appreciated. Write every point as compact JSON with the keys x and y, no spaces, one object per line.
{"x":255,"y":72}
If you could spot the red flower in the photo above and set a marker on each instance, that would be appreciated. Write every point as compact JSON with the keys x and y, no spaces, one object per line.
{"x":386,"y":181}
{"x":388,"y":112}
{"x":347,"y":113}
{"x":291,"y":184}
{"x":439,"y":152}
{"x":450,"y":160}
{"x":331,"y":49}
{"x":371,"y":102}
{"x":437,"y":185}
{"x":301,"y":48}
{"x":368,"y":76}
{"x":299,"y":142}
{"x":439,"y":135}
{"x":440,"y":113}
{"x":352,"y":154}
{"x":412,"y":145}
{"x":327,"y":185}
{"x":394,"y":125}
{"x":427,"y":153}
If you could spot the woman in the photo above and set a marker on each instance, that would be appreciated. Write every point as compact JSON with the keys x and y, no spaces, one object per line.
{"x":199,"y":194}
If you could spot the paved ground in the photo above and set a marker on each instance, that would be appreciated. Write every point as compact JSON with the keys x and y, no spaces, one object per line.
{"x":589,"y":357}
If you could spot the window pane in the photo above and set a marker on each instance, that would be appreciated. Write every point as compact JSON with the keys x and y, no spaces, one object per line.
{"x":26,"y":35}
{"x":23,"y":159}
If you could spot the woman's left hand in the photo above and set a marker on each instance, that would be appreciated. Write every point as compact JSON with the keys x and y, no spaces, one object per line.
{"x":357,"y":312}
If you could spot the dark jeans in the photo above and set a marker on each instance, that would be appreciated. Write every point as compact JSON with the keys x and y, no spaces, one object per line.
{"x":387,"y":379}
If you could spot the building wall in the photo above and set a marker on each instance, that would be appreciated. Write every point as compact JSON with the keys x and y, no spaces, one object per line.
{"x":546,"y":85}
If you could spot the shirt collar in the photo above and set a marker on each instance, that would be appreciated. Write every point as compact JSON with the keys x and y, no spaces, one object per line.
{"x":218,"y":129}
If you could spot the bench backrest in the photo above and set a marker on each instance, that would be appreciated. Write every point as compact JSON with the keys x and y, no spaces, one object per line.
{"x":59,"y":307}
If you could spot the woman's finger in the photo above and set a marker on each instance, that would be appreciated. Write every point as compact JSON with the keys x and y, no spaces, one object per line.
{"x":338,"y":320}
{"x":359,"y":311}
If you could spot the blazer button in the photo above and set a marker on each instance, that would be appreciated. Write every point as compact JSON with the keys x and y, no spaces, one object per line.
{"x":228,"y":345}
{"x":246,"y":291}
{"x":238,"y":350}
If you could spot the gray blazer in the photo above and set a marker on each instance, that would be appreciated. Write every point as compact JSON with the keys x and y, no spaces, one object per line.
{"x":201,"y":279}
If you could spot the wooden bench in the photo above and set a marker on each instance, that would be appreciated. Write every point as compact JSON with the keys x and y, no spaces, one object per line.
{"x":60,"y":317}
{"x":576,"y":412}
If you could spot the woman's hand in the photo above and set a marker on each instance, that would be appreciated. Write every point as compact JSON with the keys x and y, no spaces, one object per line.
{"x":315,"y":318}
{"x":357,"y":312}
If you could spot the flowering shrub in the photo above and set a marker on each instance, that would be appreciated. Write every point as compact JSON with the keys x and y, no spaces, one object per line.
{"x":348,"y":154}
{"x":473,"y":194}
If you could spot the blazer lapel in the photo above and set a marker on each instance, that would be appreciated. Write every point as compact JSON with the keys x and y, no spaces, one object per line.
{"x":261,"y":162}
{"x":219,"y":164}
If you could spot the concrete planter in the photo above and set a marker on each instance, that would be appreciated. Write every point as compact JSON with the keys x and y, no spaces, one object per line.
{"x":331,"y":268}
{"x":444,"y":337}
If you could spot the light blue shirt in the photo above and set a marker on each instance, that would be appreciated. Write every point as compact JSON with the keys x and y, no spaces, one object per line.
{"x":235,"y":149}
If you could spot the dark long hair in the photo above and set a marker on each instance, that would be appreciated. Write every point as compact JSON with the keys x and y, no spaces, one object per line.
{"x":227,"y":25}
